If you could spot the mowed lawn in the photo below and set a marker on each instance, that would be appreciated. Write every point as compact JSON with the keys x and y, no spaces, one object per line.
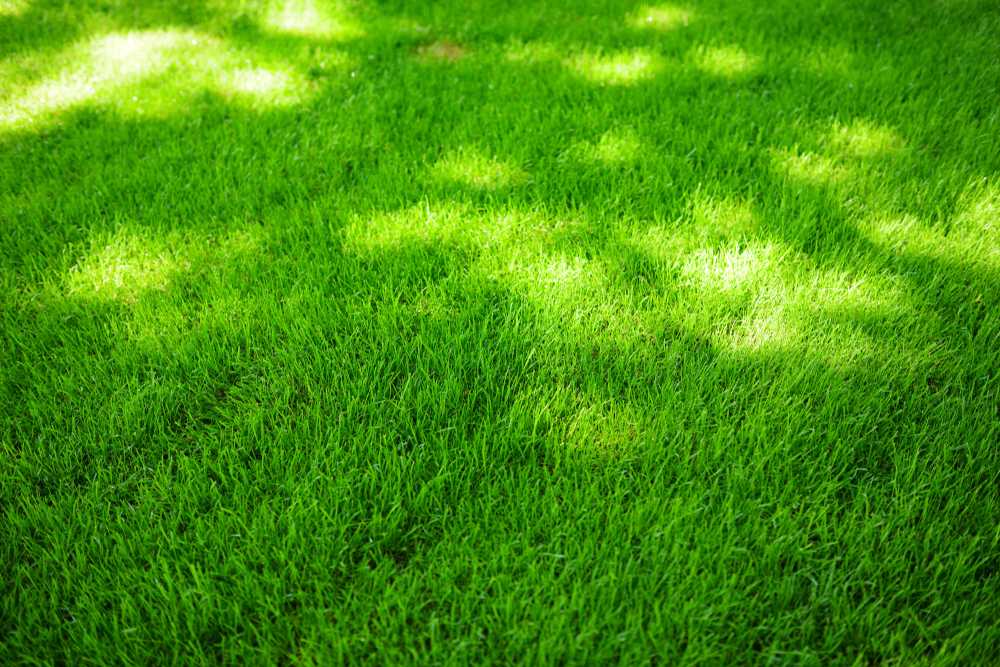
{"x":500,"y":332}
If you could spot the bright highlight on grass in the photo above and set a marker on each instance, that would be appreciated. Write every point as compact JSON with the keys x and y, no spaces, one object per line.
{"x":614,"y":147}
{"x":724,"y":61}
{"x":131,"y":266}
{"x":664,"y":17}
{"x":311,"y":18}
{"x":809,"y":168}
{"x":13,"y":7}
{"x":262,"y":85}
{"x":100,"y":67}
{"x":419,"y":224}
{"x":148,"y":72}
{"x":864,"y":139}
{"x":470,"y":167}
{"x":617,"y":69}
{"x":723,"y":219}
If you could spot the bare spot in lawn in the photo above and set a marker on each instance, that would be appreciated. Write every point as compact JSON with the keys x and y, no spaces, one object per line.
{"x":442,"y":50}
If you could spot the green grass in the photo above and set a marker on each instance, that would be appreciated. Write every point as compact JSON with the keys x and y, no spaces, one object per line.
{"x":491,"y":332}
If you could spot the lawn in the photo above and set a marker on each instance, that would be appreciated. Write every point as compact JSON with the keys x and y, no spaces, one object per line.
{"x":493,"y":332}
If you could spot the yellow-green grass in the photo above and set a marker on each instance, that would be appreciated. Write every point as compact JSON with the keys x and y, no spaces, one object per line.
{"x":492,"y":332}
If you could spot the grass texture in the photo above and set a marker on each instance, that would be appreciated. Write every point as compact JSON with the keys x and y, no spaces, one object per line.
{"x":492,"y":332}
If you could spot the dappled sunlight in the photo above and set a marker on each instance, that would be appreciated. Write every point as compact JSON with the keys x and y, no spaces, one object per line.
{"x":617,"y":69}
{"x":758,"y":297}
{"x":728,"y":269}
{"x":766,"y":297}
{"x":823,"y":330}
{"x":421,"y":223}
{"x":14,"y":7}
{"x":104,"y":64}
{"x":661,"y":18}
{"x":863,"y":139}
{"x":556,"y":280}
{"x":602,"y":427}
{"x":692,"y":242}
{"x":469,"y":167}
{"x":766,"y":328}
{"x":826,"y":61}
{"x":977,"y":220}
{"x":614,"y":147}
{"x":971,"y":240}
{"x":262,"y":85}
{"x":653,"y":331}
{"x":808,"y":168}
{"x":312,"y":18}
{"x":151,"y":73}
{"x":580,"y":299}
{"x":729,"y":218}
{"x":561,"y":274}
{"x":126,"y":268}
{"x":532,"y":53}
{"x":647,"y":331}
{"x":723,"y":61}
{"x":514,"y":234}
{"x":131,"y":265}
{"x":665,"y":244}
{"x":848,"y":151}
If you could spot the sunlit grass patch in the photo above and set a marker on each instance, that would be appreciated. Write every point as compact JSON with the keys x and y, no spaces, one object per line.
{"x":263,"y":86}
{"x":319,"y":19}
{"x":615,"y":147}
{"x":125,"y":269}
{"x":468,"y":166}
{"x":660,"y":17}
{"x":581,"y":298}
{"x":730,"y":268}
{"x":100,"y":67}
{"x":572,"y":285}
{"x":605,"y":428}
{"x":809,"y":168}
{"x":765,"y":297}
{"x":667,"y":245}
{"x":131,"y":265}
{"x":767,"y":327}
{"x":422,"y":223}
{"x":865,"y":139}
{"x":978,"y":217}
{"x":617,"y":69}
{"x":970,"y":239}
{"x":825,"y":335}
{"x":692,"y":243}
{"x":149,"y":72}
{"x":723,"y":61}
{"x":826,"y":60}
{"x":13,"y":7}
{"x":715,"y":218}
{"x":534,"y":52}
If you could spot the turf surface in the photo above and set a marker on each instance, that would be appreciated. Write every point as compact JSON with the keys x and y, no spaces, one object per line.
{"x":553,"y":332}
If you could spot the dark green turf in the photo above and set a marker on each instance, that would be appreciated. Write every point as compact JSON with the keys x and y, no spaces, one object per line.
{"x":492,"y":332}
